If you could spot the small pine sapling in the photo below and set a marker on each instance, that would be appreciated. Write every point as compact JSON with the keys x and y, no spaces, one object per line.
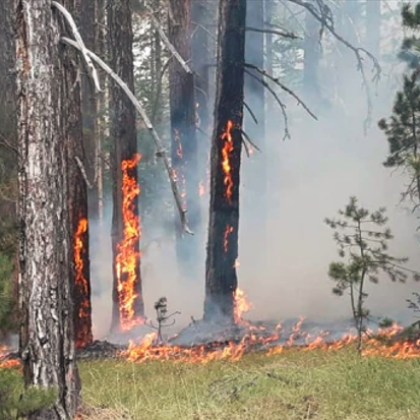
{"x":162,"y":317}
{"x":362,"y":238}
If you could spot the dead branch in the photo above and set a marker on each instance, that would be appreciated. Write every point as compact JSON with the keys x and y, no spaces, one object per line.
{"x":281,"y":104}
{"x":249,"y":140}
{"x":83,"y":172}
{"x":284,"y":34}
{"x":285,"y":88}
{"x":250,"y":112}
{"x":325,"y":18}
{"x":90,"y":67}
{"x":161,"y":152}
{"x":168,"y":44}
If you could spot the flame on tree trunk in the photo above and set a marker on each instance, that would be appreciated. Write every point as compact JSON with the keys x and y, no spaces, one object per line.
{"x":128,"y":308}
{"x":222,"y":247}
{"x":128,"y":257}
{"x":183,"y":129}
{"x":81,"y":291}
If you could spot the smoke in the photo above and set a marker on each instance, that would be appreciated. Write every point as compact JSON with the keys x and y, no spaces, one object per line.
{"x":284,"y":261}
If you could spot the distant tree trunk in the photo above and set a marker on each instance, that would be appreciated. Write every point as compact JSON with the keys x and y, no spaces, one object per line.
{"x":373,"y":26}
{"x":255,"y":171}
{"x":222,"y":247}
{"x":48,"y":115}
{"x":200,"y":60}
{"x":127,"y":285}
{"x":311,"y":57}
{"x":183,"y":126}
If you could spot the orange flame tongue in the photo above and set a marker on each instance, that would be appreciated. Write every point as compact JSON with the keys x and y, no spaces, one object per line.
{"x":226,"y":151}
{"x":128,"y":255}
{"x":242,"y":305}
{"x":83,"y":334}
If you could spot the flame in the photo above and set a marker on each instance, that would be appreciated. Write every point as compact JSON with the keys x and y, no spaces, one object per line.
{"x":226,"y":151}
{"x":241,"y":305}
{"x":127,"y":258}
{"x":5,"y":362}
{"x":83,"y":332}
{"x":228,"y":231}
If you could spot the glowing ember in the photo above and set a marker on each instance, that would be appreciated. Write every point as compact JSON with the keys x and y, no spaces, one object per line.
{"x":226,"y":151}
{"x":128,"y":255}
{"x":5,"y":362}
{"x":83,"y":331}
{"x":228,"y":231}
{"x":241,"y":305}
{"x":177,"y":139}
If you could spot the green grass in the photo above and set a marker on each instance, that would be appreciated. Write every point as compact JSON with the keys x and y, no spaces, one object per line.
{"x":295,"y":385}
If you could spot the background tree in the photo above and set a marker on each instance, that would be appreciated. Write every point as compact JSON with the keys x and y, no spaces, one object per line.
{"x":184,"y":148}
{"x":222,"y":246}
{"x":124,"y":145}
{"x":362,"y":238}
{"x":49,"y":116}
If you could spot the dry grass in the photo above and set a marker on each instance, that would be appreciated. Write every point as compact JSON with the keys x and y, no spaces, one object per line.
{"x":295,"y":385}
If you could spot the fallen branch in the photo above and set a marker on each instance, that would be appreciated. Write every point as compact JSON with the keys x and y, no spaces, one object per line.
{"x":90,"y":67}
{"x":168,"y":44}
{"x":281,"y":104}
{"x":285,"y":88}
{"x":160,"y":149}
{"x":290,"y":35}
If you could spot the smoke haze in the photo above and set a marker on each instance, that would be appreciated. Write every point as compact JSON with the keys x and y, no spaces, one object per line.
{"x":310,"y":177}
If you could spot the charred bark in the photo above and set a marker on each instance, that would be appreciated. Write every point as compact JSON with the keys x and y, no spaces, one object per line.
{"x":255,"y":174}
{"x":183,"y":133}
{"x":222,"y":247}
{"x":124,"y":148}
{"x":373,"y":26}
{"x":48,"y":117}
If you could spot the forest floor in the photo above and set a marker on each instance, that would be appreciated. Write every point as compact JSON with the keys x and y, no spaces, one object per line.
{"x":294,"y":385}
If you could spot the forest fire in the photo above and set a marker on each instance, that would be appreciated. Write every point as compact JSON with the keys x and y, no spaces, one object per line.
{"x":83,"y":330}
{"x":128,"y":256}
{"x":226,"y":151}
{"x":241,"y":304}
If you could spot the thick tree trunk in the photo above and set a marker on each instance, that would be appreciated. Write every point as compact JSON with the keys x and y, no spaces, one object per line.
{"x":128,"y":307}
{"x":312,"y":55}
{"x":373,"y":26}
{"x":222,"y":247}
{"x":48,"y":113}
{"x":255,"y":173}
{"x":184,"y":141}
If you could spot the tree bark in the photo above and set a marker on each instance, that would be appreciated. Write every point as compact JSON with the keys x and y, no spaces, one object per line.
{"x":255,"y":171}
{"x":183,"y":134}
{"x":222,"y":247}
{"x":48,"y":114}
{"x":373,"y":26}
{"x":311,"y":57}
{"x":128,"y":307}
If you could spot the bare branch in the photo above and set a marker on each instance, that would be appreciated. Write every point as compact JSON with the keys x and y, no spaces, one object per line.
{"x":7,"y":144}
{"x":168,"y":44}
{"x":250,"y":112}
{"x":284,"y":34}
{"x":90,"y":67}
{"x":161,"y":152}
{"x":250,"y":141}
{"x":285,"y":88}
{"x":281,"y":104}
{"x":82,"y":170}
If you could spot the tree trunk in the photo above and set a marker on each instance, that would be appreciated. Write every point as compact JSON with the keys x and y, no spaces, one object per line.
{"x":128,"y":307}
{"x":200,"y":60}
{"x":222,"y":247}
{"x":255,"y":171}
{"x":373,"y":26}
{"x":184,"y":141}
{"x":311,"y":57}
{"x":48,"y":115}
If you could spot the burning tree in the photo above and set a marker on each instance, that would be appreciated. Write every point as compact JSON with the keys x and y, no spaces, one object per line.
{"x":222,"y":247}
{"x":49,"y":118}
{"x":365,"y":248}
{"x":128,"y":307}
